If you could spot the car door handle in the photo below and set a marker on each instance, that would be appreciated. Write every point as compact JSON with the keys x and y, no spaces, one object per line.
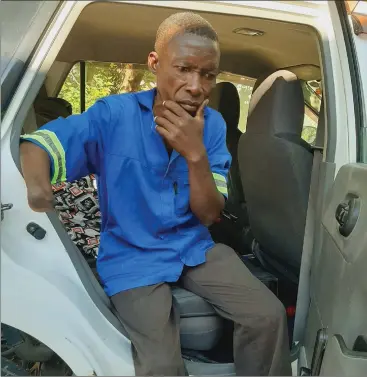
{"x":5,"y":207}
{"x":347,"y":214}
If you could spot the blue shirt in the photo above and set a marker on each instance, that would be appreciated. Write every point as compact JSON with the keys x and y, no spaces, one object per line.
{"x":148,"y":232}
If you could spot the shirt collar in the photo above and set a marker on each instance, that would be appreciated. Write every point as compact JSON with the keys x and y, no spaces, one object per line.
{"x":146,"y":99}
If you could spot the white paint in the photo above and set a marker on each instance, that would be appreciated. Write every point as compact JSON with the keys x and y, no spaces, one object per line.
{"x":41,"y":292}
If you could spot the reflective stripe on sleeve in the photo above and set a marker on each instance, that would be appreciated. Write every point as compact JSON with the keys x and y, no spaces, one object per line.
{"x":51,"y":143}
{"x":221,"y":183}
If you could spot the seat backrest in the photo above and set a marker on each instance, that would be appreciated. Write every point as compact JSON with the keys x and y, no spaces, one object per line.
{"x":275,"y":165}
{"x":51,"y":108}
{"x":225,"y":99}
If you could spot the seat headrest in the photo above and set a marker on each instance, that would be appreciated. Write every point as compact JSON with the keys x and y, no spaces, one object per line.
{"x":225,"y":99}
{"x":51,"y":108}
{"x":277,"y":105}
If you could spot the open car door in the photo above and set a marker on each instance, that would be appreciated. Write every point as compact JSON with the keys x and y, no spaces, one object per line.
{"x":337,"y":317}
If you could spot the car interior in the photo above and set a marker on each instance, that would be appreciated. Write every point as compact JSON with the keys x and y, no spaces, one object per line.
{"x":269,"y":180}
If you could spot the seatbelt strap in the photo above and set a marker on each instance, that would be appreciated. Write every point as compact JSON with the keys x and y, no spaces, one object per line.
{"x":303,"y":297}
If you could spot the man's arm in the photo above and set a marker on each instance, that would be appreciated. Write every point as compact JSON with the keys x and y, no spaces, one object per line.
{"x":184,"y":133}
{"x":62,"y":150}
{"x":37,"y":180}
{"x":206,"y":202}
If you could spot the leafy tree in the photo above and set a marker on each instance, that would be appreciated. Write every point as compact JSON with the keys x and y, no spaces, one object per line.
{"x":70,"y":91}
{"x":104,"y":79}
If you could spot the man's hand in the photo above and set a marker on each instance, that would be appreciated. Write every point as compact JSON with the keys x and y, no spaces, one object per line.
{"x":40,"y":199}
{"x":182,"y":131}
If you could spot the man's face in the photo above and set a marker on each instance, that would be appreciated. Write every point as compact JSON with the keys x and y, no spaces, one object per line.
{"x":186,"y":70}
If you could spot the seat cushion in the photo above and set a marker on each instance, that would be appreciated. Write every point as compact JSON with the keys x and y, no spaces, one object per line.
{"x":200,"y":333}
{"x":200,"y":327}
{"x":191,"y":305}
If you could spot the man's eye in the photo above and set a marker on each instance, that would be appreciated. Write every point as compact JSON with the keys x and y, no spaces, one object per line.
{"x":210,"y":76}
{"x":184,"y":69}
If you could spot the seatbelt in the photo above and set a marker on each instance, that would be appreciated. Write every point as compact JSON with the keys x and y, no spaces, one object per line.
{"x":303,"y":297}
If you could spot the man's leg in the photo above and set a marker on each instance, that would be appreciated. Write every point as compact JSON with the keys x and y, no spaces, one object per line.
{"x":260,"y":327}
{"x":153,"y":326}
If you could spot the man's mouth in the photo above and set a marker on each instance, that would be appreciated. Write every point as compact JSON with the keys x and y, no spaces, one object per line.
{"x":190,"y":106}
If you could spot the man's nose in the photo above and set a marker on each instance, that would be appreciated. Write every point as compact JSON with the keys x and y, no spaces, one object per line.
{"x":194,"y":84}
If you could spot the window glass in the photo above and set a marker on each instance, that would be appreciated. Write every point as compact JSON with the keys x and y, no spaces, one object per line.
{"x":70,"y":90}
{"x":16,"y":18}
{"x":104,"y":79}
{"x":22,"y":23}
{"x":309,"y":126}
{"x":312,"y":96}
{"x":244,"y":87}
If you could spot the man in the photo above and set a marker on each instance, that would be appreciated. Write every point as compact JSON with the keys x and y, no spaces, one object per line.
{"x":161,"y":161}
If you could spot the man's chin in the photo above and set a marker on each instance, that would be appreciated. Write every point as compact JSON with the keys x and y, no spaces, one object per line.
{"x":189,"y":108}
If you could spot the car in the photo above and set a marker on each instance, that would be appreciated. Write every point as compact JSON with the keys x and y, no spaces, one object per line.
{"x":297,"y":208}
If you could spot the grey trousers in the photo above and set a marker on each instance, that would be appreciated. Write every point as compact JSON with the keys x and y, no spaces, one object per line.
{"x":260,"y":339}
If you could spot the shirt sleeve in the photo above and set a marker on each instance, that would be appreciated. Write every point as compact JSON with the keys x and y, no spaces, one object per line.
{"x":219,"y":157}
{"x":74,"y":144}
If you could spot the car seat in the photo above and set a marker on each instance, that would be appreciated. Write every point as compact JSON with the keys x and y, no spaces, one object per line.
{"x":275,"y":165}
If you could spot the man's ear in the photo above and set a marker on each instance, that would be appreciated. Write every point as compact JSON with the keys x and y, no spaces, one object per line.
{"x":153,"y":62}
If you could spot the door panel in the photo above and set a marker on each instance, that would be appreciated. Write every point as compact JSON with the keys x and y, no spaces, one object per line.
{"x":339,"y":360}
{"x":339,"y":277}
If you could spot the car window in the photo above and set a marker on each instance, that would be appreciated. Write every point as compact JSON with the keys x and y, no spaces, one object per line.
{"x":244,"y":87}
{"x":312,"y":94}
{"x":104,"y":79}
{"x":22,"y":23}
{"x":309,"y":126}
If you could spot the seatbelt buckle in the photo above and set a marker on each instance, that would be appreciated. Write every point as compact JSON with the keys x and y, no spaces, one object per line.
{"x":229,"y":216}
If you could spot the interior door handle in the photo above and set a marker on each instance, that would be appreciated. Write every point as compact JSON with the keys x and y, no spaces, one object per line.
{"x":347,"y":214}
{"x":5,"y":207}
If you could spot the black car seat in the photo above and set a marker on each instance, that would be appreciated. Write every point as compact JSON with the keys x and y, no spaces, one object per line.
{"x":225,"y":99}
{"x":200,"y":326}
{"x":275,"y":165}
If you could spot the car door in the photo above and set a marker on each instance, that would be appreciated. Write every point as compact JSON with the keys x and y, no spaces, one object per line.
{"x":336,"y":331}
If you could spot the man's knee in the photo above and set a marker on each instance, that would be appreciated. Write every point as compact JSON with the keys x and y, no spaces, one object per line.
{"x":268,"y":314}
{"x":273,"y":314}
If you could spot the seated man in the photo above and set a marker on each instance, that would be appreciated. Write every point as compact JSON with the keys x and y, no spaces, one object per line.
{"x":161,"y":163}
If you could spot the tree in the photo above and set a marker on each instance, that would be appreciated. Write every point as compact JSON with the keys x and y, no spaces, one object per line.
{"x":104,"y":79}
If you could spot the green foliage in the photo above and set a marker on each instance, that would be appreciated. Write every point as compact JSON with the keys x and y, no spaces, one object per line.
{"x":309,"y":134}
{"x":70,"y":91}
{"x":244,"y":92}
{"x":104,"y":79}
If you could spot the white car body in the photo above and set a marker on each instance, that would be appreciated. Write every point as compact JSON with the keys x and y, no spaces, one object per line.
{"x":42,"y":294}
